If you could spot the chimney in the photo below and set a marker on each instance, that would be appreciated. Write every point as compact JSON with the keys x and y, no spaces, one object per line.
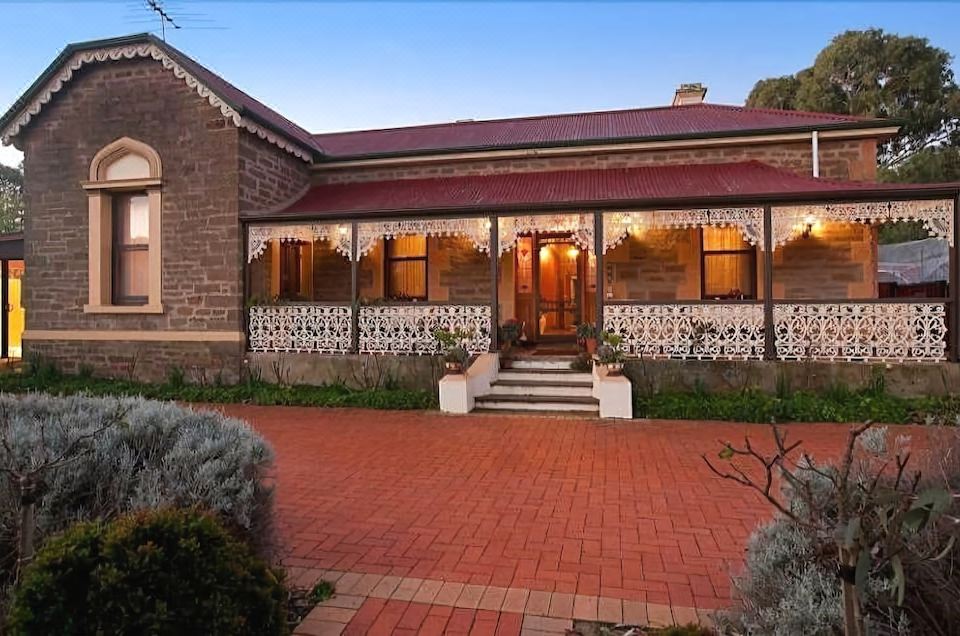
{"x":689,"y":94}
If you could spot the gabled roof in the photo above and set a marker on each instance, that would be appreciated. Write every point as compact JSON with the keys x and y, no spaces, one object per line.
{"x":244,"y":110}
{"x":692,"y":185}
{"x":695,"y":121}
{"x":616,"y":126}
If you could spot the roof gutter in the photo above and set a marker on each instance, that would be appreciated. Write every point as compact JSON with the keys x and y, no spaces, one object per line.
{"x":863,"y":195}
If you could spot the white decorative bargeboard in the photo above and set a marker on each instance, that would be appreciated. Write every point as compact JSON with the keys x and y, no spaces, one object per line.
{"x":132,"y":51}
{"x":618,"y":225}
{"x":409,"y":329}
{"x":477,"y":230}
{"x":296,"y":328}
{"x":936,"y":216}
{"x":691,"y":331}
{"x":885,"y":332}
{"x":259,"y":235}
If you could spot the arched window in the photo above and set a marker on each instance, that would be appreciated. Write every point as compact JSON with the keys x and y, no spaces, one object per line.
{"x":123,"y":196}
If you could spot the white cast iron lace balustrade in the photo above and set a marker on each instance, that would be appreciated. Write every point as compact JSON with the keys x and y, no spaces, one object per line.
{"x":730,"y":331}
{"x":880,"y":332}
{"x":408,"y":329}
{"x":300,"y":328}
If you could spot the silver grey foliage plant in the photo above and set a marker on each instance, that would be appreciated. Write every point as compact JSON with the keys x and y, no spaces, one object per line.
{"x":136,"y":454}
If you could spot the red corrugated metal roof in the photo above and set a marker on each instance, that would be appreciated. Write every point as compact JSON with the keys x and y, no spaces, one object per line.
{"x":647,"y":186}
{"x":618,"y":125}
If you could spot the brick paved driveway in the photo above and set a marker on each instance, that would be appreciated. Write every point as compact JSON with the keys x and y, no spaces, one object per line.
{"x":619,"y":510}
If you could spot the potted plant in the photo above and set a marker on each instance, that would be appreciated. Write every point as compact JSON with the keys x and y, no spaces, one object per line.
{"x":453,"y":346}
{"x":510,"y":332}
{"x":587,"y":337}
{"x":609,"y":353}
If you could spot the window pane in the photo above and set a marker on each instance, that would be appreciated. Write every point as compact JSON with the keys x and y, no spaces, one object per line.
{"x":132,"y":273}
{"x":407,"y":279}
{"x":291,"y":270}
{"x":407,"y":246}
{"x":723,"y":238}
{"x":728,"y":276}
{"x":133,"y":218}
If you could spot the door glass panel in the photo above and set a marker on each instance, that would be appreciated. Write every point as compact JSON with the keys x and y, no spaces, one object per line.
{"x":560,"y":293}
{"x":14,"y":309}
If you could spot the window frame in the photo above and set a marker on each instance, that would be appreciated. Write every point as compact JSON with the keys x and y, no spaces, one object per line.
{"x":388,"y":260}
{"x":117,"y":249}
{"x":750,"y":251}
{"x":284,"y":280}
{"x":102,"y":190}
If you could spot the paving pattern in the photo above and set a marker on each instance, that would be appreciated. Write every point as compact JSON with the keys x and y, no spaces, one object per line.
{"x":624,"y":511}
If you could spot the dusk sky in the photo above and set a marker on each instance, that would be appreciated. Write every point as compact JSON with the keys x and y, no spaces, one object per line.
{"x":342,"y":65}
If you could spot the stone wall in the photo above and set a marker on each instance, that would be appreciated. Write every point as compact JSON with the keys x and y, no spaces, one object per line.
{"x":839,"y":159}
{"x":838,"y":261}
{"x":145,"y":361}
{"x":903,"y":379}
{"x":663,"y":264}
{"x":202,"y":246}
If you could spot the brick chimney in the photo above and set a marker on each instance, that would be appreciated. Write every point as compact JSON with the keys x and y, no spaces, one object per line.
{"x":689,"y":94}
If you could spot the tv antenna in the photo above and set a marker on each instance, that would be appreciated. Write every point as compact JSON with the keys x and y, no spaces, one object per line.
{"x":165,"y":18}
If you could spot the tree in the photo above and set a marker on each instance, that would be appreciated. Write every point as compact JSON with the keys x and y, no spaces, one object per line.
{"x":876,"y":74}
{"x":11,"y":199}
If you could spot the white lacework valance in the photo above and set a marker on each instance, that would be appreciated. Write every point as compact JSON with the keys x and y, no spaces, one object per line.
{"x":477,"y":230}
{"x":936,"y":216}
{"x":618,"y":225}
{"x":259,"y":235}
{"x":578,"y":226}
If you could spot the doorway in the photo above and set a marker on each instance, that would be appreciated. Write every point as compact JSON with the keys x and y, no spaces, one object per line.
{"x":555,"y":282}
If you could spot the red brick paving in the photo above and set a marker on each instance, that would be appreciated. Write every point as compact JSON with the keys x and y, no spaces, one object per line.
{"x":618,"y":509}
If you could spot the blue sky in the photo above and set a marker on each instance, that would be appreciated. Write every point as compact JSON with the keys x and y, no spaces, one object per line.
{"x":340,"y":65}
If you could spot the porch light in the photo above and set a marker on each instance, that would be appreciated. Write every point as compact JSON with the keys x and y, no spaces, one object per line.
{"x":488,"y":224}
{"x":809,"y":224}
{"x":573,"y":252}
{"x":342,"y":230}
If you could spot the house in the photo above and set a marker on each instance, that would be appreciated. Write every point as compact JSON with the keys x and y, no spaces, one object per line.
{"x":175,"y":221}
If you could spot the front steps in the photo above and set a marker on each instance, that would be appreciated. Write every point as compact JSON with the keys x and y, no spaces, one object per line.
{"x":541,"y":384}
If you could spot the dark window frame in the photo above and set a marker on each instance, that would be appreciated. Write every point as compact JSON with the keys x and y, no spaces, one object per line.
{"x":750,"y":251}
{"x":117,"y":248}
{"x":388,"y":260}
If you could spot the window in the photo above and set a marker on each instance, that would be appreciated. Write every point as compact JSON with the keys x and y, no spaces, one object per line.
{"x":406,"y":268}
{"x":291,"y":270}
{"x":131,"y":245}
{"x":124,"y":207}
{"x":728,"y":265}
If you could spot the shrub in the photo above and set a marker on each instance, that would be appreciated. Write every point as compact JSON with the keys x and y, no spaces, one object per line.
{"x":158,"y":455}
{"x":251,"y":392}
{"x":159,"y":572}
{"x":877,"y":530}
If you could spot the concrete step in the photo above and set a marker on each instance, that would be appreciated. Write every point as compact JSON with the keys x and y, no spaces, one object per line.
{"x":540,"y":387}
{"x":562,"y":404}
{"x":539,"y":362}
{"x":545,"y":375}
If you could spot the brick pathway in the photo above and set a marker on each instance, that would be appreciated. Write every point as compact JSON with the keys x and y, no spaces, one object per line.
{"x":605,"y":510}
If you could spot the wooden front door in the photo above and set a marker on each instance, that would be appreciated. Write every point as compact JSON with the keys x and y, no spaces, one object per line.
{"x":559,"y":289}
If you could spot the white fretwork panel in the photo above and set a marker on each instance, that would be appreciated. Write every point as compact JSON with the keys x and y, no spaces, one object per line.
{"x":295,"y":328}
{"x":408,"y":329}
{"x":259,"y":235}
{"x":477,"y":230}
{"x":749,"y":221}
{"x":894,"y":332}
{"x":701,"y":332}
{"x":936,"y":217}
